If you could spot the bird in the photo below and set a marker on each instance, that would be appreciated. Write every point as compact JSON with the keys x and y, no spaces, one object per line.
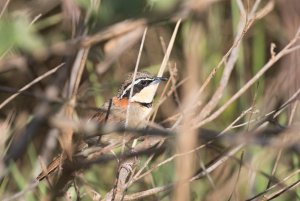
{"x":133,"y":100}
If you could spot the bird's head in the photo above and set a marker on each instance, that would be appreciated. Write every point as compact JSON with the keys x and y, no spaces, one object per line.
{"x":144,"y":88}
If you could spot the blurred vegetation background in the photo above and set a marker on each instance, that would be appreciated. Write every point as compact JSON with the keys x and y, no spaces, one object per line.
{"x":39,"y":35}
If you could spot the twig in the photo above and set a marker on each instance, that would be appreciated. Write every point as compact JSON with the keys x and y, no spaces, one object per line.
{"x":168,"y":187}
{"x":36,"y":80}
{"x":143,"y":194}
{"x":126,"y":167}
{"x":4,"y":7}
{"x":266,"y":67}
{"x":278,"y":157}
{"x":222,"y":159}
{"x":280,"y":183}
{"x":280,"y":191}
{"x":113,"y":31}
{"x":243,"y":26}
{"x":186,"y":138}
{"x":169,"y":49}
{"x":66,"y":136}
{"x":133,"y":78}
{"x":122,"y":43}
{"x":20,"y":194}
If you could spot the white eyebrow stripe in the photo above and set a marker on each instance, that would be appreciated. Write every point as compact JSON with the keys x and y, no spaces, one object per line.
{"x":134,"y":83}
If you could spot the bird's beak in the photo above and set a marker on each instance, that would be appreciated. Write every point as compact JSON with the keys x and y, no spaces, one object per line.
{"x":162,"y":78}
{"x":159,"y":79}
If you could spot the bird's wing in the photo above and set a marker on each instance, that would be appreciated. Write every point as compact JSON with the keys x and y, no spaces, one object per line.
{"x":101,"y":117}
{"x":52,"y":166}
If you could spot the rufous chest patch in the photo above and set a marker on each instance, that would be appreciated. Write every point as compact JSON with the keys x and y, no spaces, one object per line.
{"x":120,"y":102}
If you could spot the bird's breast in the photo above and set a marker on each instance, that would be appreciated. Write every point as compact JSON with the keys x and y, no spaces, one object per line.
{"x":138,"y":115}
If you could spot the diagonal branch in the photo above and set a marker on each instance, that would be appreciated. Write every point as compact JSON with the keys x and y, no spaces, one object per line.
{"x":267,"y":66}
{"x":27,"y":86}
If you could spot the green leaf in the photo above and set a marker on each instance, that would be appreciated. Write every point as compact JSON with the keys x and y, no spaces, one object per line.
{"x":18,"y":33}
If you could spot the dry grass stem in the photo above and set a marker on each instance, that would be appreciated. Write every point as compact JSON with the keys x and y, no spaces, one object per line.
{"x":266,"y":67}
{"x":27,"y":86}
{"x":212,"y":133}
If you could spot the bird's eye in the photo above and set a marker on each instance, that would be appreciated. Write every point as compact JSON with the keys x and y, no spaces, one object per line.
{"x":144,"y":83}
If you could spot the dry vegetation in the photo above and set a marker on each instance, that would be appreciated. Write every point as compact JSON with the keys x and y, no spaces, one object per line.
{"x":225,"y":124}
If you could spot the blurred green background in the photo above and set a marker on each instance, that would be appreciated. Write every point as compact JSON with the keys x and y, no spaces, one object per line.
{"x":30,"y":32}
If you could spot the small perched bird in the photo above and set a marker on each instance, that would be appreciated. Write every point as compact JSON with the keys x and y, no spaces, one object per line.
{"x":115,"y":111}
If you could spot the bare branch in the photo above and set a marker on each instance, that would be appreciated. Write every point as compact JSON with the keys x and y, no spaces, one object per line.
{"x":36,"y":80}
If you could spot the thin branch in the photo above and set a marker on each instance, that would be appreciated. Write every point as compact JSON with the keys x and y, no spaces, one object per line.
{"x":133,"y":78}
{"x":143,"y":194}
{"x":243,"y":26}
{"x":126,"y":167}
{"x":36,"y":80}
{"x":168,"y":187}
{"x":169,"y":49}
{"x":4,"y":8}
{"x":280,"y":191}
{"x":280,"y":183}
{"x":261,"y":72}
